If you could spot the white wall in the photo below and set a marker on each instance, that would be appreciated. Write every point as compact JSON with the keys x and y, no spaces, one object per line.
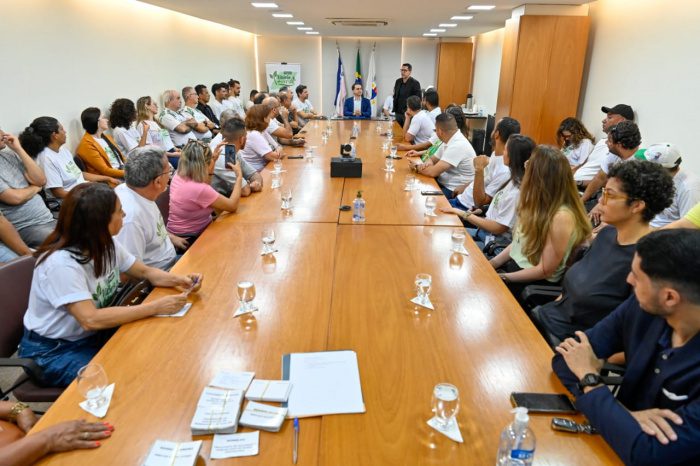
{"x":60,"y":57}
{"x":487,"y":67}
{"x":422,"y":55}
{"x":304,"y":50}
{"x":644,"y":53}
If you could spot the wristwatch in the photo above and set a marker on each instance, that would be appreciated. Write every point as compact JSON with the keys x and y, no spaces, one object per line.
{"x":590,"y":380}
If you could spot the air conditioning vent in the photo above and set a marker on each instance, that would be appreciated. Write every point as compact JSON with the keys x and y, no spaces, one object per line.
{"x":358,"y":22}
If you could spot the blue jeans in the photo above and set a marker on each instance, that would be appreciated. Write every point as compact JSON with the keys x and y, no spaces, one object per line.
{"x":479,"y":236}
{"x":6,"y":254}
{"x":454,"y":202}
{"x":60,"y":359}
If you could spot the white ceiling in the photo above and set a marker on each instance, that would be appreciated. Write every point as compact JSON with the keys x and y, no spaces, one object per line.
{"x":407,"y":18}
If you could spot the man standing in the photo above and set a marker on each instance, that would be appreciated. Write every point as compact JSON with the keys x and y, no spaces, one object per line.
{"x":21,"y":180}
{"x":235,"y":97}
{"x":205,"y":126}
{"x":655,"y":418}
{"x":143,"y":232}
{"x":203,"y":98}
{"x":404,"y":87}
{"x":179,"y":126}
{"x":357,"y":107}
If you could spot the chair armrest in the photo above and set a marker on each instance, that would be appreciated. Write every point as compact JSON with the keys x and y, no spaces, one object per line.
{"x":536,"y":295}
{"x":30,"y":367}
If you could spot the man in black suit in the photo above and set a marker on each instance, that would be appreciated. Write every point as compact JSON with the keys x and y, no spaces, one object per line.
{"x":404,"y":87}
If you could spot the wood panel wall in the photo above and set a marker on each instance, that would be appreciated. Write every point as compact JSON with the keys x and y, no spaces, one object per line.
{"x":454,"y":80}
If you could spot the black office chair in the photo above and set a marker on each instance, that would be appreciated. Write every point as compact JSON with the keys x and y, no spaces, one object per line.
{"x":15,"y":284}
{"x":79,"y":162}
{"x":163,"y":203}
{"x":490,"y":125}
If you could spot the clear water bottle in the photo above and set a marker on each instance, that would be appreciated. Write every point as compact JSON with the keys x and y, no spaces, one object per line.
{"x":517,"y":446}
{"x":358,"y":209}
{"x":355,"y":130}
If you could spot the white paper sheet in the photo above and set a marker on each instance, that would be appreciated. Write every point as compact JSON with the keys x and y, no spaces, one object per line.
{"x":235,"y":445}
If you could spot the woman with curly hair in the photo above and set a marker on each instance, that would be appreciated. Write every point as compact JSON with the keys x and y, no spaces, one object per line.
{"x":122,"y":116}
{"x":551,"y":223}
{"x":575,"y":141}
{"x":595,"y":285}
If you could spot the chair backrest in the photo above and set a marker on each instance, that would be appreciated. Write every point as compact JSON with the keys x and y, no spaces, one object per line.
{"x":15,"y":283}
{"x":79,"y":162}
{"x":163,"y":203}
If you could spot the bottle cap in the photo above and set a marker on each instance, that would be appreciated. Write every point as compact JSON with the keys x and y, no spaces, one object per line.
{"x":521,"y":416}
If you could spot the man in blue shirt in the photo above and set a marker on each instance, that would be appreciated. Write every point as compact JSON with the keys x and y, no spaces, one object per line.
{"x":656,"y":416}
{"x":357,"y":107}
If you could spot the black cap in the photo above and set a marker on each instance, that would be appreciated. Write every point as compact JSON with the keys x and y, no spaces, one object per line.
{"x":620,"y":109}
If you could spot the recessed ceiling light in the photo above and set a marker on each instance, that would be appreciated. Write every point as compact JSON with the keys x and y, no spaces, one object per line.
{"x":282,"y":15}
{"x":429,"y":34}
{"x":447,"y":25}
{"x":461,"y":18}
{"x":305,"y":28}
{"x":438,"y":30}
{"x":295,"y":23}
{"x":312,"y":33}
{"x":481,"y":7}
{"x":264,"y":5}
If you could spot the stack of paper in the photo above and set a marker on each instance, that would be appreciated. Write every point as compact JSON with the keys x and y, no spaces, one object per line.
{"x":263,"y":417}
{"x":232,"y":380}
{"x":164,"y":453}
{"x":275,"y":391}
{"x":217,"y":411}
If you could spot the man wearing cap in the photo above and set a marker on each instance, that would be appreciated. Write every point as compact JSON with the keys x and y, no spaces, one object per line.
{"x":588,"y":171}
{"x":686,"y":184}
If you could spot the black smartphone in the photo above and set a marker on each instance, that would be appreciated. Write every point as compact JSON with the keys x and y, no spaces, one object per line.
{"x":295,"y":156}
{"x":431,"y":193}
{"x":229,"y":154}
{"x":543,"y":402}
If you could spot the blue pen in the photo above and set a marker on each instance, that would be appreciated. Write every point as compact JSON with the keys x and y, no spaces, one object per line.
{"x":295,"y":454}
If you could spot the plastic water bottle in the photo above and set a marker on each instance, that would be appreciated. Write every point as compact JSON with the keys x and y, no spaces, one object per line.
{"x":517,"y":446}
{"x":355,"y":130}
{"x":358,"y":209}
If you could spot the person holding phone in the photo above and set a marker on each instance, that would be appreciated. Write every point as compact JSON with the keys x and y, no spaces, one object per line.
{"x":233,"y":134}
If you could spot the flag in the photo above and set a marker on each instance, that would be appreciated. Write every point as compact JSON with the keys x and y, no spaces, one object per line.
{"x":340,"y":90}
{"x":371,"y":91}
{"x":358,"y":69}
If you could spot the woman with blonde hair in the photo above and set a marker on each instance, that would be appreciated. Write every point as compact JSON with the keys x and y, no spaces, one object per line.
{"x":192,"y":199}
{"x":146,"y":111}
{"x":551,"y":223}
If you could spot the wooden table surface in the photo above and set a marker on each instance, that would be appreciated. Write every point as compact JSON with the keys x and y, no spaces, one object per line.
{"x":334,"y":285}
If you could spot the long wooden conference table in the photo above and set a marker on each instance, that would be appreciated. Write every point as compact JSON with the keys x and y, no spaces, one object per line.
{"x":334,"y":285}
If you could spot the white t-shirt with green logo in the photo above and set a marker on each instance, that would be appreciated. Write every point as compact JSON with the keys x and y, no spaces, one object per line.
{"x":61,"y":280}
{"x":60,"y":169}
{"x":113,"y":160}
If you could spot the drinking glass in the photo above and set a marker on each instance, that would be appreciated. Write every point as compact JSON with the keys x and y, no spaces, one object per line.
{"x":276,"y":180}
{"x":445,"y":404}
{"x":324,"y":137}
{"x":390,"y":133}
{"x":423,"y":285}
{"x":389,"y":164}
{"x":308,"y":153}
{"x":268,"y":240}
{"x":430,"y":203}
{"x":385,"y":146}
{"x":92,"y":381}
{"x":246,"y":295}
{"x":393,"y":151}
{"x":286,"y":199}
{"x":278,"y":166}
{"x":458,"y":235}
{"x":410,"y":182}
{"x":378,"y":128}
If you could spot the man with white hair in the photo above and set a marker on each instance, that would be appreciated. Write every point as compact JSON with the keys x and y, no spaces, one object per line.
{"x":179,"y":126}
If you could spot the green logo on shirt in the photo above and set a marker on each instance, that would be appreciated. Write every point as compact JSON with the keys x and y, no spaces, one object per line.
{"x":161,"y":232}
{"x":106,"y":288}
{"x":72,"y":169}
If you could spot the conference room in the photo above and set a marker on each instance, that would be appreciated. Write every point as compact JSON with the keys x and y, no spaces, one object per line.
{"x":295,"y":232}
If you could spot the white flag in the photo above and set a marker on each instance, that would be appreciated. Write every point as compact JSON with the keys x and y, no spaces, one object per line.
{"x":371,"y":91}
{"x":340,"y":88}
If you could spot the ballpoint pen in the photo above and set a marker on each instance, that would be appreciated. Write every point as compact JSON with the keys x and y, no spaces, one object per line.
{"x":295,"y":453}
{"x":195,"y":280}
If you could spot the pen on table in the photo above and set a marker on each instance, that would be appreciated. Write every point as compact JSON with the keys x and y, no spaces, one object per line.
{"x":295,"y":453}
{"x":195,"y":280}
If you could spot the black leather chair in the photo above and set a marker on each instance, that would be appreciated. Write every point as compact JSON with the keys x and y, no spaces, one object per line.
{"x":15,"y":284}
{"x":163,"y":203}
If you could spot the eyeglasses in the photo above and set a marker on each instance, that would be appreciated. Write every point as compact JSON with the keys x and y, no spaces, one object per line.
{"x":608,"y":195}
{"x":169,"y":173}
{"x":405,"y":69}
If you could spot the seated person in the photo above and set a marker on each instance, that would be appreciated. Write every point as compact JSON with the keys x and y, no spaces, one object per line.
{"x":203,"y":98}
{"x":305,"y":109}
{"x":44,"y":139}
{"x":417,"y":127}
{"x":233,"y":132}
{"x":259,"y":148}
{"x":282,"y":132}
{"x":500,"y":217}
{"x":97,"y":150}
{"x":388,"y":107}
{"x":192,"y":199}
{"x":452,"y":165}
{"x":143,"y":233}
{"x":595,"y":285}
{"x":21,"y":181}
{"x":179,"y":126}
{"x":11,"y":244}
{"x":357,"y":107}
{"x":146,"y":111}
{"x":285,"y":99}
{"x":18,"y":449}
{"x":220,"y":101}
{"x":551,"y":223}
{"x":431,"y":103}
{"x":575,"y":142}
{"x":686,"y":183}
{"x":205,"y":128}
{"x":434,"y":142}
{"x":251,"y":96}
{"x":691,"y":219}
{"x":122,"y":116}
{"x":74,"y":281}
{"x":654,"y":419}
{"x":489,"y":172}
